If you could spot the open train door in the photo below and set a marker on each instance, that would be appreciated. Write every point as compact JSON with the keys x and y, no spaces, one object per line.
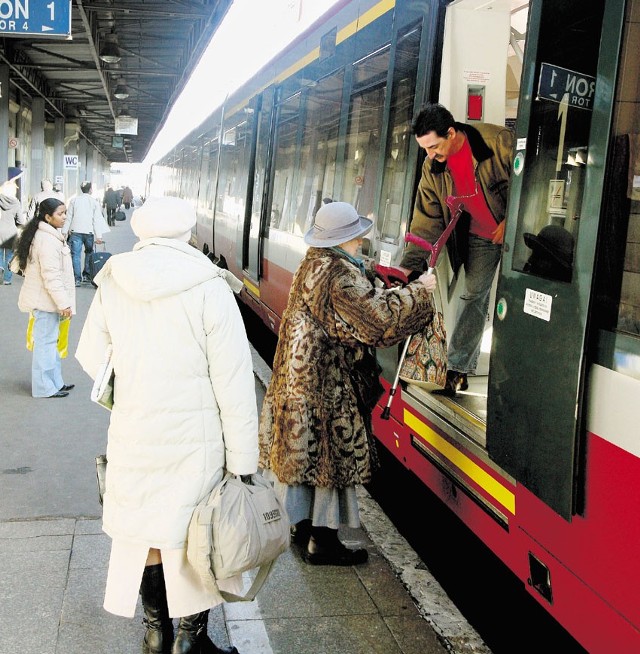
{"x":537,"y":368}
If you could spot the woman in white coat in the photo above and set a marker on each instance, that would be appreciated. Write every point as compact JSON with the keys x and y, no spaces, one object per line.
{"x":48,"y":292}
{"x":184,"y":410}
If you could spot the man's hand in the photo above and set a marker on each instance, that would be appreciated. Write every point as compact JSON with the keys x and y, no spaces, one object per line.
{"x":498,"y":234}
{"x":99,"y":241}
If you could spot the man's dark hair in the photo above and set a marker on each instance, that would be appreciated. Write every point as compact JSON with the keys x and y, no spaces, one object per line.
{"x":432,"y":118}
{"x":85,"y":187}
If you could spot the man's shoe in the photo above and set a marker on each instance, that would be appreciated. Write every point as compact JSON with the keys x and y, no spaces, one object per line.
{"x":68,"y":387}
{"x":60,"y":394}
{"x":77,"y":283}
{"x":456,"y":381}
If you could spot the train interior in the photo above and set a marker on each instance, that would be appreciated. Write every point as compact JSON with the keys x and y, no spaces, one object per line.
{"x":479,"y":82}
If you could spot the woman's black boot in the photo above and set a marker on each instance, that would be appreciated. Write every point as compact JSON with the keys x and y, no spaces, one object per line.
{"x":325,"y":548}
{"x":191,"y":637}
{"x":159,"y":634}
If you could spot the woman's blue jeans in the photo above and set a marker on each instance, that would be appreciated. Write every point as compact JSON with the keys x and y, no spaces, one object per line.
{"x":471,"y":316}
{"x":76,"y":241}
{"x":46,"y":365}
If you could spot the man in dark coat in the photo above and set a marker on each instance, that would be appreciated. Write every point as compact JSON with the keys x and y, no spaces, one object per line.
{"x":469,"y":165}
{"x":110,"y":202}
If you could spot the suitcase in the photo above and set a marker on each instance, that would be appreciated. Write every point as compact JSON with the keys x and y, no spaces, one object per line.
{"x":120,"y":215}
{"x":96,"y":261}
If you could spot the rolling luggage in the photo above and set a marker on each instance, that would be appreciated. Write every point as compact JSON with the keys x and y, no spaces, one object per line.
{"x":97,"y":259}
{"x":120,"y":215}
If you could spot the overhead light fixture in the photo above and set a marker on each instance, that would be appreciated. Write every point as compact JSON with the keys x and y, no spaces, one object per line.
{"x":121,"y":92}
{"x":110,"y":52}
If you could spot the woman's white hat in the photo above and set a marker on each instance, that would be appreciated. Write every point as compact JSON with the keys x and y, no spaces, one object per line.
{"x":166,"y":217}
{"x":336,"y":223}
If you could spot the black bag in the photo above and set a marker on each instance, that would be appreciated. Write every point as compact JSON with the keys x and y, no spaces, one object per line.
{"x":365,"y":375}
{"x":120,"y":215}
{"x":96,"y":261}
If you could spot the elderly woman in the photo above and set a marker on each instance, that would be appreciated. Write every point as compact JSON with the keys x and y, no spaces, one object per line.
{"x":48,"y":292}
{"x":184,"y":409}
{"x":315,"y":436}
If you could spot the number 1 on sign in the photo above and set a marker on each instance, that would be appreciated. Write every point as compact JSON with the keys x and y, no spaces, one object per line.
{"x":52,"y":9}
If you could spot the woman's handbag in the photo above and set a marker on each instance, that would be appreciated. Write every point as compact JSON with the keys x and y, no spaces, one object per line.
{"x":425,"y":362}
{"x":365,"y":375}
{"x":239,"y":526}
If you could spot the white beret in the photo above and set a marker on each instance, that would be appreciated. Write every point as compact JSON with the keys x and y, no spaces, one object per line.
{"x":166,"y":217}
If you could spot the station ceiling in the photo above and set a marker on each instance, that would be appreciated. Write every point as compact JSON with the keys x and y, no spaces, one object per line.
{"x":159,"y":42}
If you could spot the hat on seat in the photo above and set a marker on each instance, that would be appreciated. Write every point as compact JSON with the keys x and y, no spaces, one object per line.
{"x":336,"y":223}
{"x":165,"y":217}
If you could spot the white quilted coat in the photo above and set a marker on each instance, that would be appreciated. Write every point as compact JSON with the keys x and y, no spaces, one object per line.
{"x":184,"y":400}
{"x":48,"y":277}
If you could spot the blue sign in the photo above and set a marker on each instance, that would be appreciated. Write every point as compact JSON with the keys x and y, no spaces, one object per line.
{"x":35,"y":17}
{"x":556,"y":83}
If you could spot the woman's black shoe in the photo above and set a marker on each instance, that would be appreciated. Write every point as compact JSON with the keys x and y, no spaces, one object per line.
{"x":325,"y":548}
{"x":60,"y":394}
{"x":300,"y":533}
{"x":191,"y":637}
{"x":68,"y":387}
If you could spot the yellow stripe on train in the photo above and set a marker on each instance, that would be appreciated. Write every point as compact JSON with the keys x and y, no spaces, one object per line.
{"x":471,"y":469}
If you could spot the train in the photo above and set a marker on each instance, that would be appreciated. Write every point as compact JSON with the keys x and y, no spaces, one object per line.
{"x":540,"y":457}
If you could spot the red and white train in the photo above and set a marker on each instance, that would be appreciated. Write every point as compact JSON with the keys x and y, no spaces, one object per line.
{"x":541,"y":456}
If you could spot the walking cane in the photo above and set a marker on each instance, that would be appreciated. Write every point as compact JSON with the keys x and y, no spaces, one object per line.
{"x":457,"y":208}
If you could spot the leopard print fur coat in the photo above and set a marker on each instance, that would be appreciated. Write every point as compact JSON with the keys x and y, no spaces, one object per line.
{"x":311,"y":430}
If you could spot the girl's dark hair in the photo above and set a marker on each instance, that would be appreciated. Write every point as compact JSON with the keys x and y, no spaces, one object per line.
{"x":44,"y":208}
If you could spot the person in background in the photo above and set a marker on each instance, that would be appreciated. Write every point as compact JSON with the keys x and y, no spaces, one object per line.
{"x":184,"y":411}
{"x":48,"y":292}
{"x":11,"y":221}
{"x":84,"y":227}
{"x":471,"y":164}
{"x":110,"y":203}
{"x":127,"y":197}
{"x":315,"y":426}
{"x":46,"y":191}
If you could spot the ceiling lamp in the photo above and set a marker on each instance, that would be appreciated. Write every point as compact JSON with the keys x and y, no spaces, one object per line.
{"x":110,"y":52}
{"x":121,"y":92}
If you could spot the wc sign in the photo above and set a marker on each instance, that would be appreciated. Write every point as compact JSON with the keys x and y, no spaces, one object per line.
{"x":71,"y":161}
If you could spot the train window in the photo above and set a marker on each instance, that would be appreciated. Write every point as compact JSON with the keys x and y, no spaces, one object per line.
{"x":319,"y":148}
{"x":234,"y":166}
{"x":556,"y":153}
{"x":285,"y":163}
{"x":396,"y":188}
{"x":364,"y":131}
{"x":208,"y":173}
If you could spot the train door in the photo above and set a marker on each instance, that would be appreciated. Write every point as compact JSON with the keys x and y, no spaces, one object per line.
{"x":256,"y":218}
{"x":537,"y":369}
